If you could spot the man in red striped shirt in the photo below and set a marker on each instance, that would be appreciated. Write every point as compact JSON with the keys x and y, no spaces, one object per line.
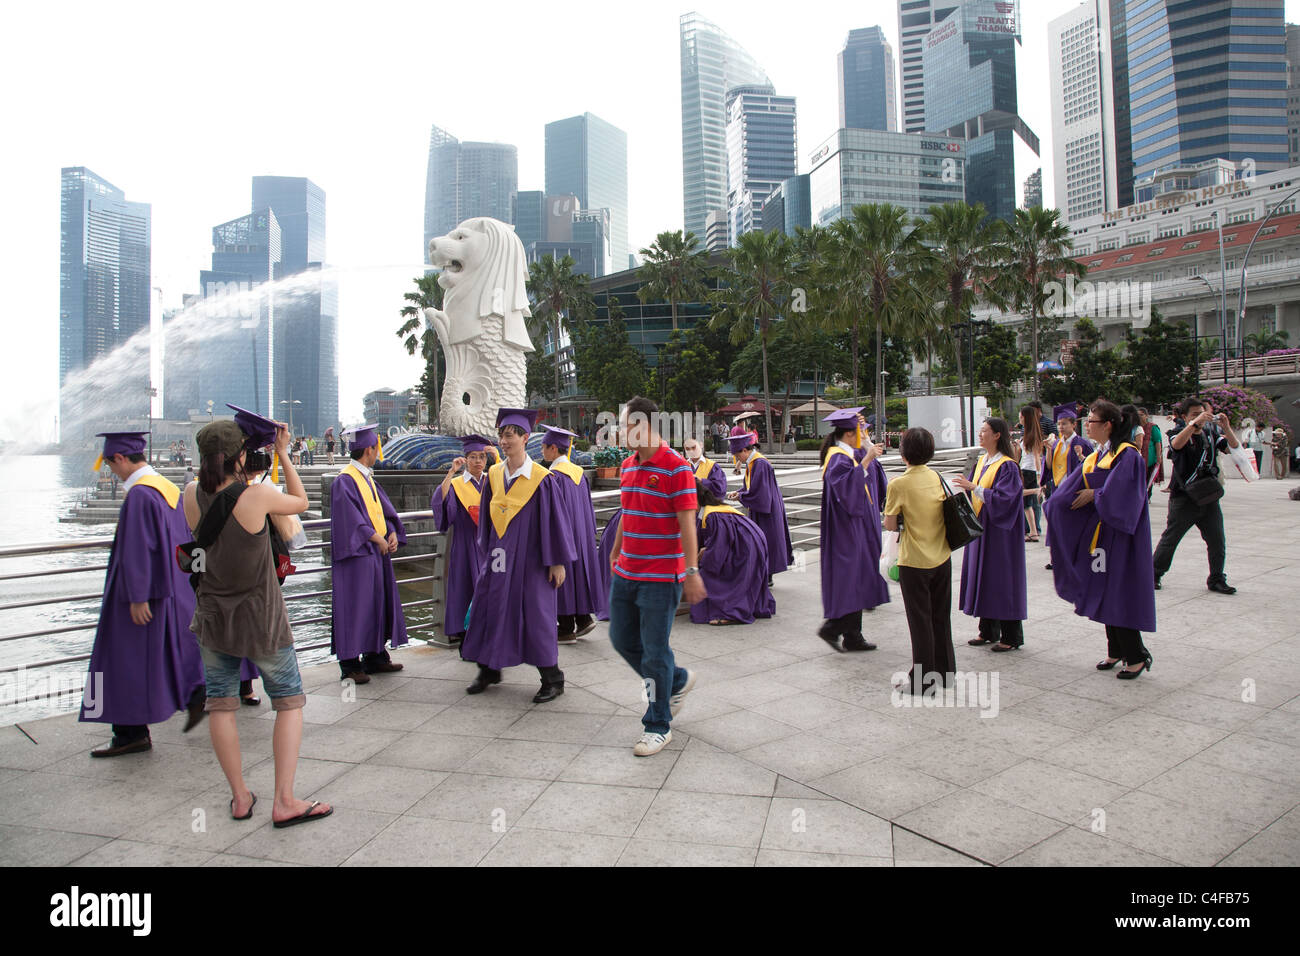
{"x":653,"y":561}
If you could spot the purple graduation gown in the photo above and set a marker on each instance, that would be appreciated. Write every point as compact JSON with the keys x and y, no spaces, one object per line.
{"x":1080,"y":448}
{"x":1116,"y":585}
{"x":513,"y":621}
{"x":367,"y":607}
{"x":607,"y":535}
{"x":465,"y":562}
{"x":733,"y":567}
{"x":850,"y":541}
{"x":993,"y":583}
{"x":762,"y":496}
{"x":583,"y":591}
{"x":147,"y":673}
{"x":716,"y":482}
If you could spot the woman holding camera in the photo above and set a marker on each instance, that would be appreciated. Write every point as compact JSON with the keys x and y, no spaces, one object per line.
{"x":1101,"y":540}
{"x":240,"y":612}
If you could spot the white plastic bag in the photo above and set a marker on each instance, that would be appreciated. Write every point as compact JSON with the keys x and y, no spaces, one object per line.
{"x":1244,"y":459}
{"x":889,"y":556}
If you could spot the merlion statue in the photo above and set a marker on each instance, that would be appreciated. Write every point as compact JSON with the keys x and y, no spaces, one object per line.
{"x":481,"y":323}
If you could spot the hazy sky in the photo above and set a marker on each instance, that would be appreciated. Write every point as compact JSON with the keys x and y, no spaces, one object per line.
{"x":181,"y":104}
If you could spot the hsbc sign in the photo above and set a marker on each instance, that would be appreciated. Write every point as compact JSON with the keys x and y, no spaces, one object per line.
{"x":940,"y":147}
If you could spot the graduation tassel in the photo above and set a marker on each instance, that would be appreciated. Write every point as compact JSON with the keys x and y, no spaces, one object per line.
{"x":275,"y":468}
{"x":380,"y":446}
{"x":99,"y":463}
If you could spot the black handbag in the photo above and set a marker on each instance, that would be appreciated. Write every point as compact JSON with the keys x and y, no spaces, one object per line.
{"x":961,"y":524}
{"x":1206,"y":489}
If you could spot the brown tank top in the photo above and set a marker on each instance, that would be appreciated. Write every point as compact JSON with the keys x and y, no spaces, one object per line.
{"x":239,"y":610}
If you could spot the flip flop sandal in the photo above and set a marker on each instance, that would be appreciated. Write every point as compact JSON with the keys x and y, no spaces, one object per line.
{"x":305,"y":817}
{"x":250,"y":808}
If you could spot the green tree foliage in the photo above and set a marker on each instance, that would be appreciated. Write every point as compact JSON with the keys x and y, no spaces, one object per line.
{"x":609,"y":368}
{"x":691,"y":374}
{"x":560,"y":298}
{"x":427,"y":295}
{"x":1093,"y":371}
{"x":674,"y":269}
{"x":1160,"y":362}
{"x":999,"y":364}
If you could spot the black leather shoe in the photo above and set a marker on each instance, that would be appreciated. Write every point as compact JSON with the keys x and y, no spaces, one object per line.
{"x":482,"y":683}
{"x":584,"y":625}
{"x":1222,"y":587}
{"x":1108,"y":665}
{"x":1157,"y":582}
{"x":357,"y":677}
{"x":139,"y":745}
{"x":195,"y":711}
{"x":548,"y":692}
{"x":1134,"y":675}
{"x":856,"y":642}
{"x":383,"y":667}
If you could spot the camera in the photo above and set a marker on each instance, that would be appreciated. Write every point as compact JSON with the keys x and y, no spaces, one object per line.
{"x":257,"y":460}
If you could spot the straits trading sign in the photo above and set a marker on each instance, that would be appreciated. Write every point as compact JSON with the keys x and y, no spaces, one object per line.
{"x":1000,"y":16}
{"x":1238,"y":188}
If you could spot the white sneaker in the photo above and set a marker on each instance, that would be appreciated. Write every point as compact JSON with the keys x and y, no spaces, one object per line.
{"x":651,"y":743}
{"x":675,"y":702}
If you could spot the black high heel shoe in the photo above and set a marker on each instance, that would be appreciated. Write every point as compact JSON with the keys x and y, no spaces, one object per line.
{"x":1134,"y":675}
{"x":1108,"y":665}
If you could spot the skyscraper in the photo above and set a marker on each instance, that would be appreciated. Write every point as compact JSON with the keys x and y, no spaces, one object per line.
{"x":1293,"y":93}
{"x":306,"y":311}
{"x":969,"y":66}
{"x":867,"y":93}
{"x":466,"y":180}
{"x":104,"y":274}
{"x":712,"y":63}
{"x":761,"y":153}
{"x":528,"y":216}
{"x":1207,"y":81}
{"x":1034,"y":190}
{"x":915,"y":20}
{"x":587,"y":157}
{"x":1092,"y":160}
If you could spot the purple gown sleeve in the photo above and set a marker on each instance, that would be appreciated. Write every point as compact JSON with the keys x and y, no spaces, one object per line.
{"x":844,"y":481}
{"x":556,"y":530}
{"x":879,"y":482}
{"x":395,"y":525}
{"x":1121,"y":501}
{"x":485,"y":516}
{"x":350,"y":527}
{"x":759,"y":496}
{"x":1004,"y":503}
{"x":444,"y":508}
{"x":139,"y":540}
{"x":1064,"y":494}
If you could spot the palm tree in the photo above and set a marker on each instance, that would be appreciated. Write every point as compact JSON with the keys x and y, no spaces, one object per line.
{"x":923,"y":323}
{"x":754,"y":295}
{"x":1039,"y":248}
{"x":427,"y":295}
{"x":836,"y":293}
{"x":674,"y":269}
{"x":558,"y":296}
{"x":968,"y":253}
{"x":1261,"y":343}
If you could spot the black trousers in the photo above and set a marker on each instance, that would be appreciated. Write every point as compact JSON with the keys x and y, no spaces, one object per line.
{"x":569,"y":623}
{"x":849,"y":625}
{"x":1008,"y":632}
{"x":550,"y":675}
{"x":927,"y":600}
{"x":1184,"y":514}
{"x":1125,"y":643}
{"x":126,"y":733}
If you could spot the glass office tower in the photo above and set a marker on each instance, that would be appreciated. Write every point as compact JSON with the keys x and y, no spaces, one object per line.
{"x":915,"y":20}
{"x":867,"y":93}
{"x":587,"y":157}
{"x":970,"y":82}
{"x":464,"y":181}
{"x":104,"y":276}
{"x":761,"y":153}
{"x":856,"y":167}
{"x":711,"y":63}
{"x":1207,"y":81}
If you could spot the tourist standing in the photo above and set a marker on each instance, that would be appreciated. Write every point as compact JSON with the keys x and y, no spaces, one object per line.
{"x":993,"y":585}
{"x":654,"y":564}
{"x":581,"y":597}
{"x":145,"y":663}
{"x":1029,"y":450}
{"x":456,"y":508}
{"x":1101,"y":536}
{"x":914,"y":507}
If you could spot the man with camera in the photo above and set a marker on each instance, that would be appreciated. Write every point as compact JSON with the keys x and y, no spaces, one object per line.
{"x":1194,"y":489}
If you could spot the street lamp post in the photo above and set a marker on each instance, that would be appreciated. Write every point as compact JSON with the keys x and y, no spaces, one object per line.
{"x":290,"y":401}
{"x":1223,"y":292}
{"x":153,"y":392}
{"x":1241,"y":289}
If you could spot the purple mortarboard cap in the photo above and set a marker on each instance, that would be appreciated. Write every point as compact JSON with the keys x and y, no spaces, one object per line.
{"x":740,"y":442}
{"x":1068,"y":410}
{"x":363,"y":436}
{"x":124,"y":443}
{"x":477,"y":443}
{"x":259,"y":429}
{"x":525,"y":418}
{"x":844,"y":418}
{"x":559,"y":437}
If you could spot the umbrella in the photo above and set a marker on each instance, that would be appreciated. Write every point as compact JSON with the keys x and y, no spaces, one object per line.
{"x":748,"y":415}
{"x":1049,"y":366}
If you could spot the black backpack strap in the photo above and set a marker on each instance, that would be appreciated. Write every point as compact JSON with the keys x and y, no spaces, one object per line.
{"x":218,"y":513}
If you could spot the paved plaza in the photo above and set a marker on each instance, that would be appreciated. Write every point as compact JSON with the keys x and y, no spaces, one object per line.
{"x":786,"y":753}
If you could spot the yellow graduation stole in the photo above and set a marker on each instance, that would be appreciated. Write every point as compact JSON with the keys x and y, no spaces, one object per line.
{"x":713,"y":509}
{"x":1061,"y":457}
{"x":507,"y":504}
{"x":703,"y":468}
{"x":985,"y":479}
{"x":1090,"y":465}
{"x":566,"y":467}
{"x":374,"y":510}
{"x":469,"y":497}
{"x":171,"y":494}
{"x":749,"y":466}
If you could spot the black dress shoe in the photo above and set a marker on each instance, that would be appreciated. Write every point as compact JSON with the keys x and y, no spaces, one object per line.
{"x":856,"y":642}
{"x":584,"y":625}
{"x":383,"y":667}
{"x":548,"y":692}
{"x":357,"y":677}
{"x":828,"y":634}
{"x":482,"y":682}
{"x":1222,"y":587}
{"x":1108,"y":665}
{"x":1134,"y":675}
{"x":194,"y":711}
{"x":114,"y":749}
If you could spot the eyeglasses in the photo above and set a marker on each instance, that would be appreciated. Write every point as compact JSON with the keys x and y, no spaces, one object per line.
{"x":1094,"y":421}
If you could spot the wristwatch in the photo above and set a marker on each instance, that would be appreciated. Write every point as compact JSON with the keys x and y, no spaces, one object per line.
{"x":692,"y":570}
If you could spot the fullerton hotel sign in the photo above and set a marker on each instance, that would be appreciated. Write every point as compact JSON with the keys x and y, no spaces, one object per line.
{"x":1238,"y":188}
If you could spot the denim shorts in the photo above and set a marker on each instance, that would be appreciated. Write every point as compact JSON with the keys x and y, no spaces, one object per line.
{"x":279,"y":676}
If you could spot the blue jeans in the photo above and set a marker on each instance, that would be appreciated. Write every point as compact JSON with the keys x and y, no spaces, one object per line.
{"x":280,"y":677}
{"x":640,"y":619}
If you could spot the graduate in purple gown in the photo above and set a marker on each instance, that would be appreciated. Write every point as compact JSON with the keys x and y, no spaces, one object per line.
{"x":605,"y":554}
{"x":993,"y":585}
{"x":1101,"y":541}
{"x":455,"y":507}
{"x":877,"y":480}
{"x":583,"y":595}
{"x":365,"y":533}
{"x":707,"y":471}
{"x":145,"y":665}
{"x":525,"y":532}
{"x":762,"y":498}
{"x":733,"y":564}
{"x":850,"y":534}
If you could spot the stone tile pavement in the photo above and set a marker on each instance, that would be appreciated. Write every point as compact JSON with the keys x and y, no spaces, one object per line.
{"x":786,"y":754}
